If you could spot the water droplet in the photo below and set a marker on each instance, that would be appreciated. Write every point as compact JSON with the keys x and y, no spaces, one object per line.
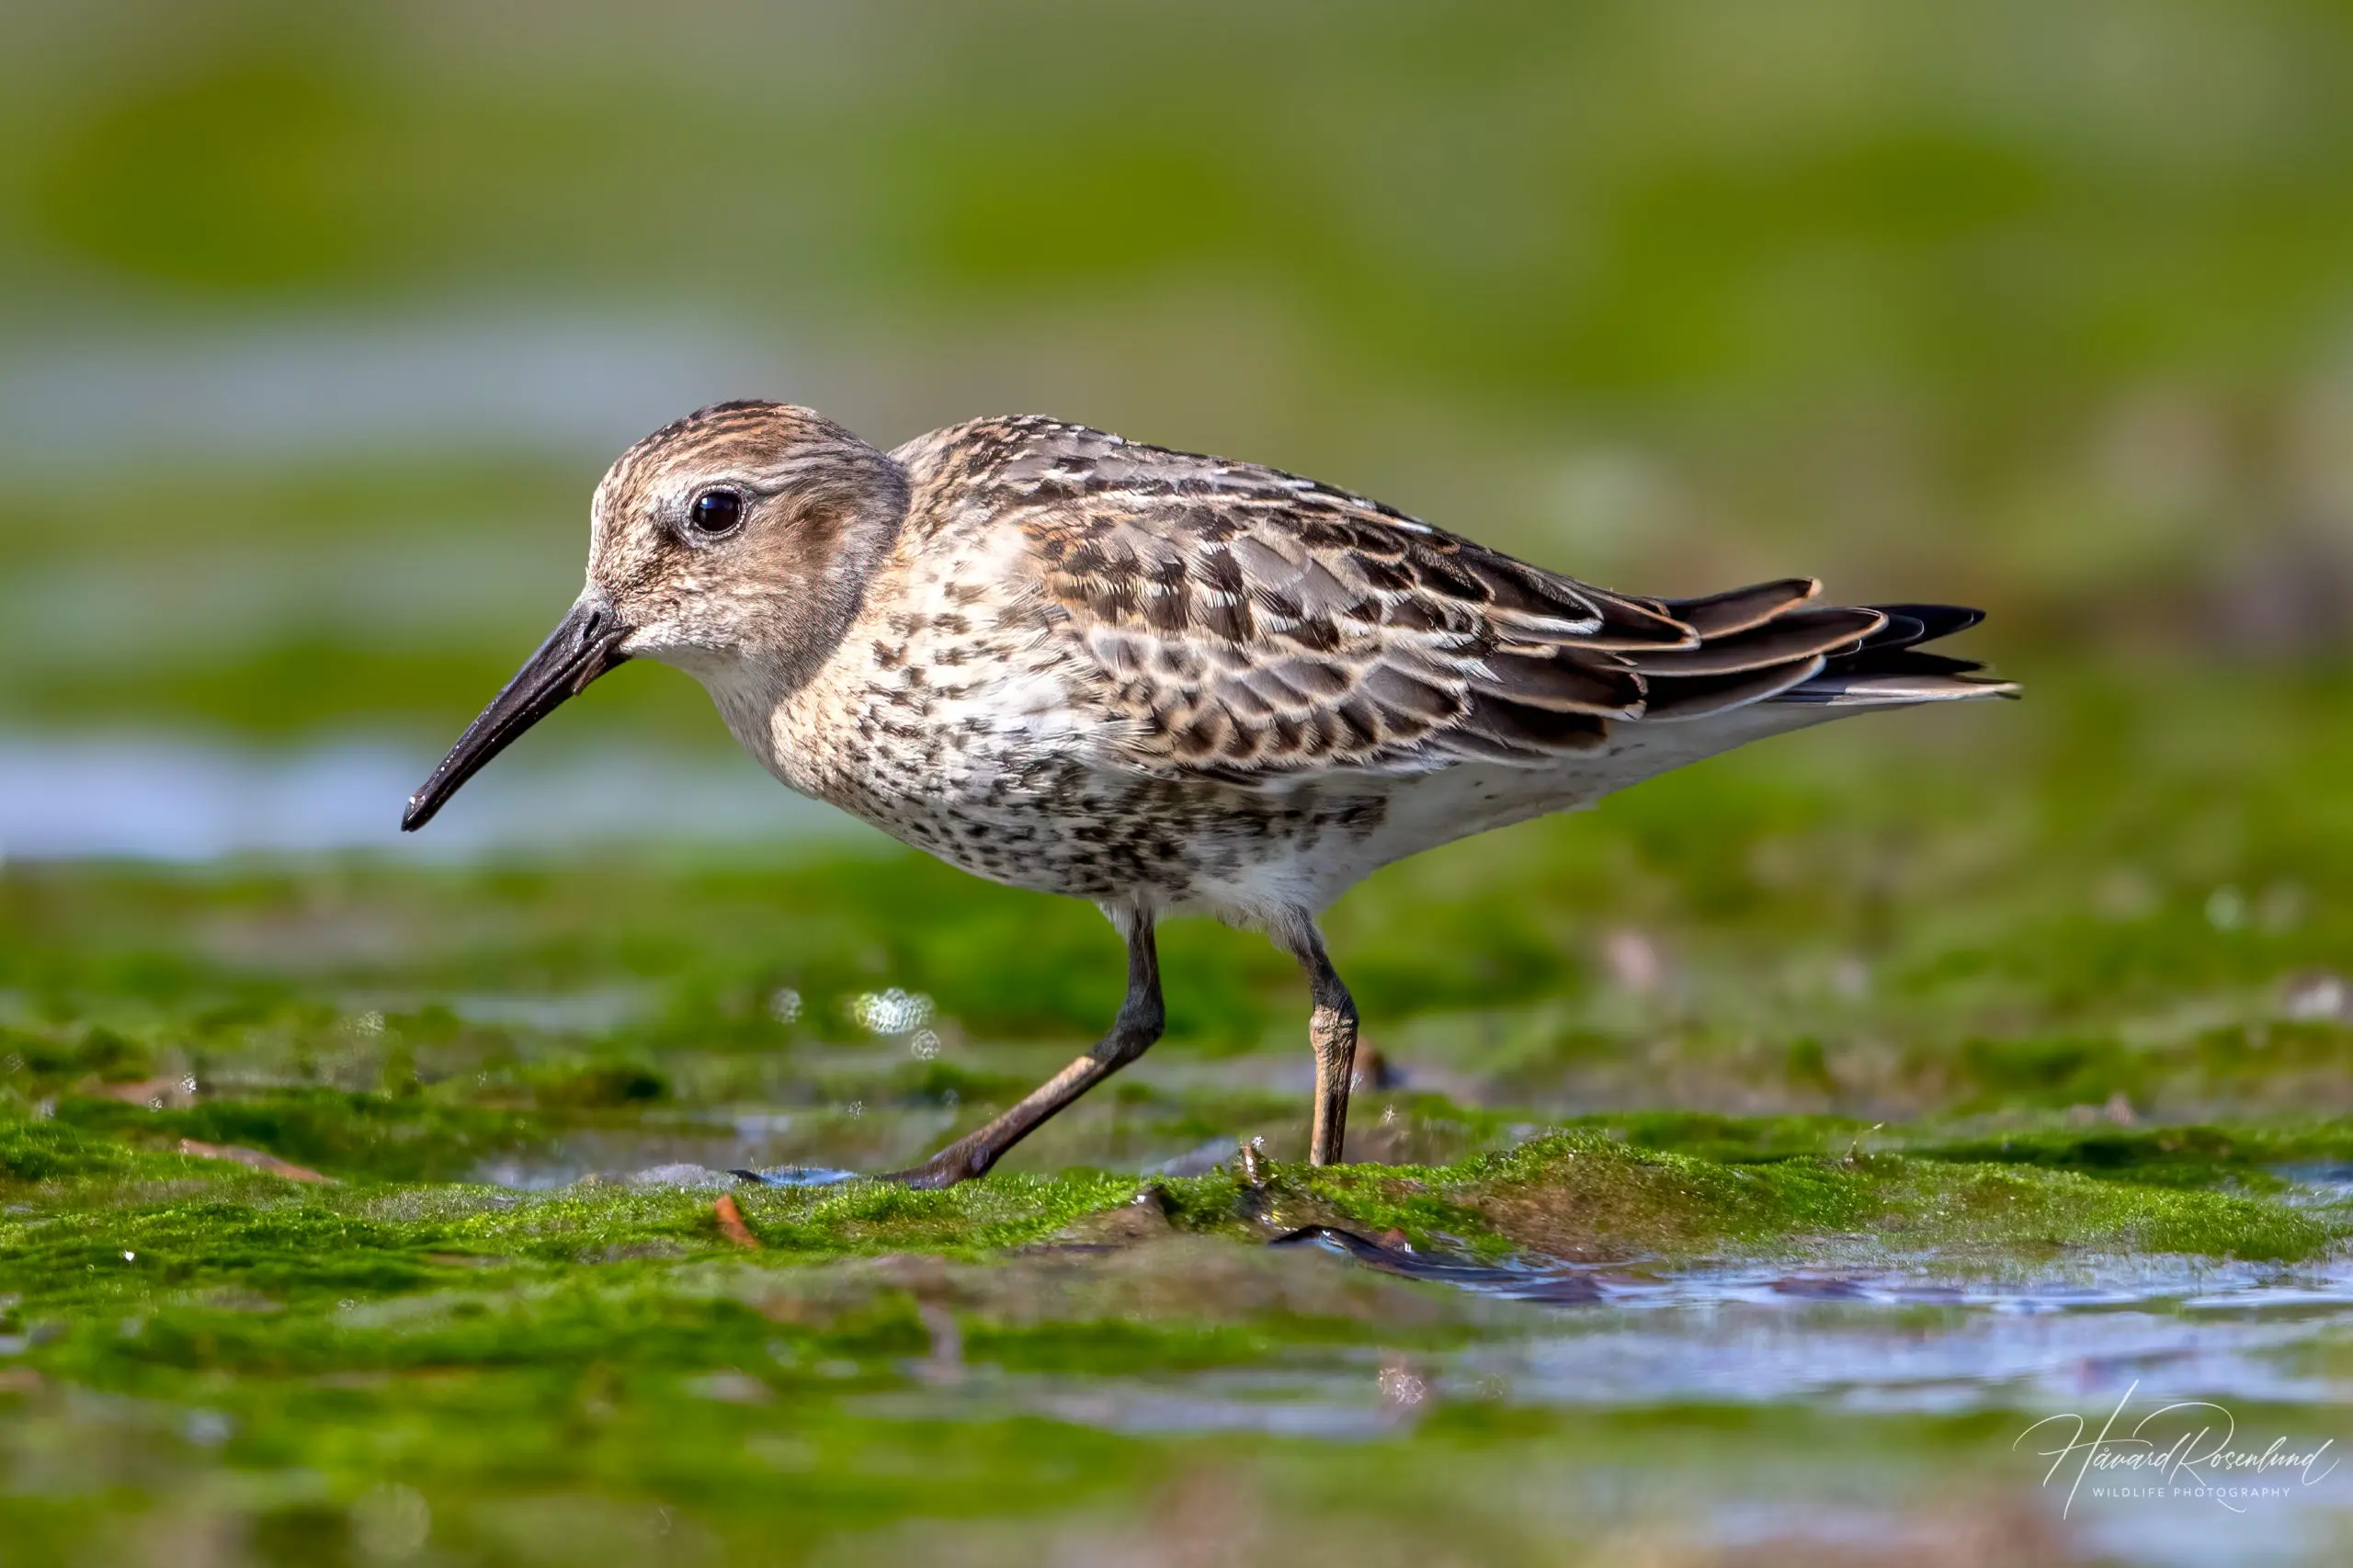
{"x":893,"y":1011}
{"x":1402,"y":1386}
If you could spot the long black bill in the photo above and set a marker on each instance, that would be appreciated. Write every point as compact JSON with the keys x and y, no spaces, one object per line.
{"x":583,"y":647}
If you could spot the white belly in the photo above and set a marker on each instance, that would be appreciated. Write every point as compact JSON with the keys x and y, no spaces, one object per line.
{"x":1427,"y":809}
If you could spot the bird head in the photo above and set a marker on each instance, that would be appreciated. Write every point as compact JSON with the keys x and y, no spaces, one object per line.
{"x":735,"y":543}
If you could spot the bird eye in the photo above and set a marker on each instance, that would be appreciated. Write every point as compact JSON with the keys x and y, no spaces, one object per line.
{"x":716,"y":512}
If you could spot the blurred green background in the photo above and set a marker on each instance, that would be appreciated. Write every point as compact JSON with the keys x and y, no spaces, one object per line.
{"x":317,"y":325}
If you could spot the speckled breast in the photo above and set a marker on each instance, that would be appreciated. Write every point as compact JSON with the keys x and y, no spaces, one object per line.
{"x":1057,"y":824}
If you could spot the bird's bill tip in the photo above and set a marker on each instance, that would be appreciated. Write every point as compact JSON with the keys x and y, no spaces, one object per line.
{"x":583,"y":645}
{"x":421,"y":807}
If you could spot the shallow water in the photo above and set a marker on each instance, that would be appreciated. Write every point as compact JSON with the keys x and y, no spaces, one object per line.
{"x":147,"y":797}
{"x":2235,"y":1357}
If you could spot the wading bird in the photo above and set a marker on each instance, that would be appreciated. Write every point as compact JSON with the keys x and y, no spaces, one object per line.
{"x":1162,"y":682}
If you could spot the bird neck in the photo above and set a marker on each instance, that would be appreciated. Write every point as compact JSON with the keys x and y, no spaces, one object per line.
{"x":848,"y":535}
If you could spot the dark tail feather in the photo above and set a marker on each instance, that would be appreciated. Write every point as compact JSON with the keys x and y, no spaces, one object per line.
{"x":1933,"y":621}
{"x":1889,"y":666}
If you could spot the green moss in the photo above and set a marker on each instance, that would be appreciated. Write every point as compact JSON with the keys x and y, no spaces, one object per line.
{"x":1579,"y":1196}
{"x":341,"y":1132}
{"x":607,"y":1342}
{"x":45,"y":1151}
{"x":1733,"y":1139}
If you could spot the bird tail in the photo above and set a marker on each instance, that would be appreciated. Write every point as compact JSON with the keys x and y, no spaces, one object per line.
{"x":1769,"y":645}
{"x":1890,"y":667}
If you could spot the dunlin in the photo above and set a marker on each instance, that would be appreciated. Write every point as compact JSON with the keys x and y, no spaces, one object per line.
{"x":1162,"y":682}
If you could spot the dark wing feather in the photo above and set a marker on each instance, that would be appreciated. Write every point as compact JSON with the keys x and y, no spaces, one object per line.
{"x":1248,"y":624}
{"x":1741,"y":609}
{"x":1796,"y":635}
{"x":1702,"y":696}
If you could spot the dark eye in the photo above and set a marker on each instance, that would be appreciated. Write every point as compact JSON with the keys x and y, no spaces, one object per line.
{"x":716,"y":511}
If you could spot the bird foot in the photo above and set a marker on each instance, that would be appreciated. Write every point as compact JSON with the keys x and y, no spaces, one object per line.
{"x":944,"y":1169}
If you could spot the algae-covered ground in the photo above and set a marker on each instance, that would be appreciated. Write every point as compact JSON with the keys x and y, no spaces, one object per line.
{"x":1744,"y":1167}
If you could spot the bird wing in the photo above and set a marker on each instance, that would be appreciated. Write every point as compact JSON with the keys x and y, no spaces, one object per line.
{"x":1250,"y":625}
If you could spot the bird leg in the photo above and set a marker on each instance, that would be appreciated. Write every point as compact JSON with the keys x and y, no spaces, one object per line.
{"x":1332,"y":1031}
{"x":1142,"y":1017}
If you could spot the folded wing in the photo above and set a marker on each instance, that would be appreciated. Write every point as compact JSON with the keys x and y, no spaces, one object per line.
{"x":1250,"y":625}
